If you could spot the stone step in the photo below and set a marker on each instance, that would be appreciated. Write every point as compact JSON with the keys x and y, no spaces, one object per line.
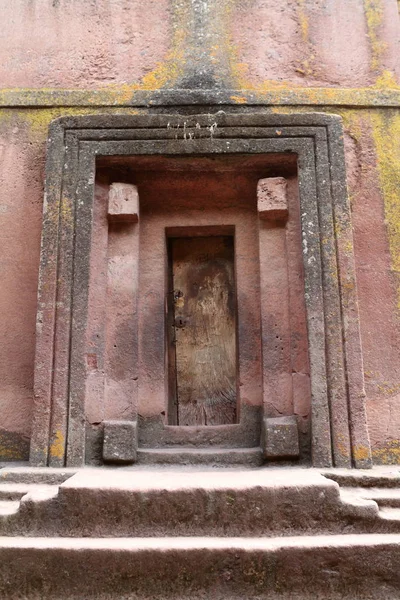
{"x":15,"y":491}
{"x":229,"y":457}
{"x":382,"y":496}
{"x":390,"y":514}
{"x":357,"y":505}
{"x":381,"y":477}
{"x":188,"y":502}
{"x":329,"y":567}
{"x":8,"y":507}
{"x":35,"y":475}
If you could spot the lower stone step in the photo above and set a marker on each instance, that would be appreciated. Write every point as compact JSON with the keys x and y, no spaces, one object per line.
{"x":329,"y":567}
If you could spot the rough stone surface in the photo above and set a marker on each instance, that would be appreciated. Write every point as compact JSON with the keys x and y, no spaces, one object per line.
{"x":205,"y":500}
{"x":137,"y":74}
{"x":13,"y":446}
{"x":281,"y":437}
{"x":315,"y":44}
{"x":256,"y":533}
{"x":123,"y":203}
{"x":276,"y":56}
{"x":271,"y":198}
{"x":98,"y":33}
{"x":365,"y":567}
{"x":120,"y":442}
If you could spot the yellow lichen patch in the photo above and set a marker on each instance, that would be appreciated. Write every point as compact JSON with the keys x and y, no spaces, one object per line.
{"x":388,"y":389}
{"x":306,"y":66}
{"x":58,"y":445}
{"x":387,"y":81}
{"x":387,"y":455}
{"x":386,"y":131}
{"x":13,"y":446}
{"x":348,"y":247}
{"x":6,"y":117}
{"x":360,"y":453}
{"x":10,"y":453}
{"x":39,"y":119}
{"x":66,"y":211}
{"x":167,"y":73}
{"x":239,"y":71}
{"x":352,"y":121}
{"x":374,"y":15}
{"x":342,"y":446}
{"x":121,"y":97}
{"x":303,"y":20}
{"x":239,"y":99}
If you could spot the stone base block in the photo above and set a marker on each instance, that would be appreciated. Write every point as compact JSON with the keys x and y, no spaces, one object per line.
{"x":280,"y":437}
{"x":120,"y":441}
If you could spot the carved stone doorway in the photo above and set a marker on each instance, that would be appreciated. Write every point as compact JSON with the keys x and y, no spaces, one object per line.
{"x":87,"y":157}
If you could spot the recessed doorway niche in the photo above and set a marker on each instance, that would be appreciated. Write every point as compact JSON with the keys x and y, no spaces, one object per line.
{"x":201,"y":357}
{"x":268,"y":193}
{"x":200,"y":373}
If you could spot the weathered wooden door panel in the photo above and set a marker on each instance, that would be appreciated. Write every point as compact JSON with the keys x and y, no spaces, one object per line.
{"x":203,"y":330}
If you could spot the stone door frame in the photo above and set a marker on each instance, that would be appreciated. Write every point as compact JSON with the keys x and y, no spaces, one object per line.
{"x":338,"y":417}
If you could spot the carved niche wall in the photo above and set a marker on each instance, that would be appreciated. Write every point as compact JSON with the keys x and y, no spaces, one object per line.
{"x":100,"y":259}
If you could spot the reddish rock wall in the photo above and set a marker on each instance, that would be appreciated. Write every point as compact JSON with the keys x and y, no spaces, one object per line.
{"x":74,"y":44}
{"x":305,"y":51}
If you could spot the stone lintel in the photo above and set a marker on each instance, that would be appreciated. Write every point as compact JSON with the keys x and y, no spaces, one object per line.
{"x":123,"y":203}
{"x":280,"y":437}
{"x":120,"y":441}
{"x":271,"y":199}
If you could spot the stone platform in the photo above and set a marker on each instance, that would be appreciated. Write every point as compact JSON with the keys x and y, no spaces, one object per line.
{"x":186,"y":532}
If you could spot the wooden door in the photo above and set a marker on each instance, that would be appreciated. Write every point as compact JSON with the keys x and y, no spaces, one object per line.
{"x":202,"y":329}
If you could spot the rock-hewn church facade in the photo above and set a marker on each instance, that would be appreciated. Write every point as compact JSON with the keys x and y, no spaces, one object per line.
{"x":200,"y":245}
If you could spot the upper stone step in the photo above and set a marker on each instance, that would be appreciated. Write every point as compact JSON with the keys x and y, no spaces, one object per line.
{"x":379,"y":477}
{"x":187,"y":502}
{"x":391,"y":515}
{"x":15,"y":491}
{"x":382,"y":496}
{"x":35,"y":475}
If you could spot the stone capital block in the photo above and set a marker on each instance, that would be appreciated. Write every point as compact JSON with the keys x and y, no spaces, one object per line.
{"x":123,"y":203}
{"x":120,"y":441}
{"x":271,"y":199}
{"x":280,"y":437}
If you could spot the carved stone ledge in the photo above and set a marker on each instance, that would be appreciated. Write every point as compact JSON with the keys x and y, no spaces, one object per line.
{"x":123,"y":203}
{"x":271,"y":199}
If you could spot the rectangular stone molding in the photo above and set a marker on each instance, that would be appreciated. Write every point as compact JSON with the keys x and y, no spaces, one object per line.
{"x":123,"y":203}
{"x":271,"y":199}
{"x":120,"y":441}
{"x":338,"y":416}
{"x":280,"y":437}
